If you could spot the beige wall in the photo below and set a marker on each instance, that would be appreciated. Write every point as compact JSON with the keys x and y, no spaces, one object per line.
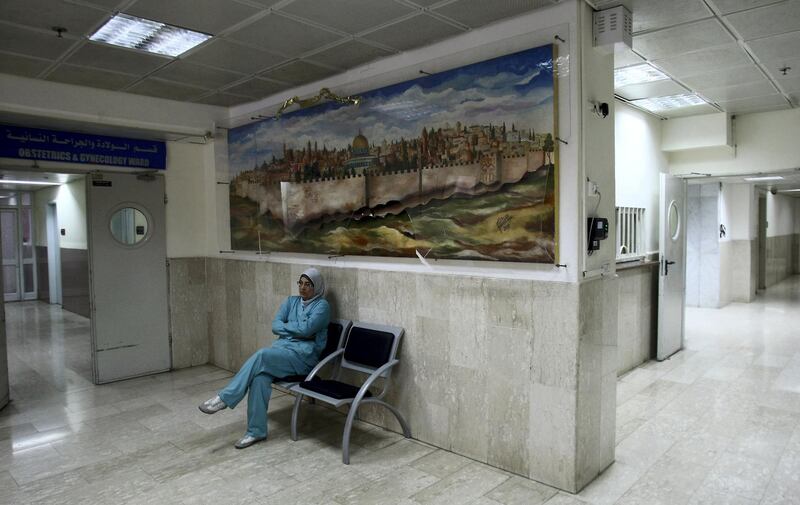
{"x":519,"y":374}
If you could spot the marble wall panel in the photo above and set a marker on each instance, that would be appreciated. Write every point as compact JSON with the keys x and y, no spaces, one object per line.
{"x":489,"y":367}
{"x":42,"y":275}
{"x":597,"y":358}
{"x":743,"y":270}
{"x":702,"y":246}
{"x":780,"y":258}
{"x":75,"y":281}
{"x":796,"y":253}
{"x":188,"y":312}
{"x":637,"y":316}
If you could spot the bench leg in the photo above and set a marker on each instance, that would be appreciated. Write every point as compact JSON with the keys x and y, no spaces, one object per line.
{"x":397,"y":415}
{"x":298,"y":400}
{"x":348,"y":427}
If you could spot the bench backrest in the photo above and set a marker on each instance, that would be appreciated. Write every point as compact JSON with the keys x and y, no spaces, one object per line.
{"x":337,"y":333}
{"x":370,"y":346}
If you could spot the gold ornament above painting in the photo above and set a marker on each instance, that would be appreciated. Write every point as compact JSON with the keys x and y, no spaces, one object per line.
{"x":461,"y":164}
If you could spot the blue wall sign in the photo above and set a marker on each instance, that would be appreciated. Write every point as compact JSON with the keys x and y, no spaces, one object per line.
{"x":49,"y":145}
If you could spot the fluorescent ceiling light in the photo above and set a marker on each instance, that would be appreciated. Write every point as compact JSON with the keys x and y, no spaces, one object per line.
{"x":662,"y":103}
{"x":765,"y":178}
{"x":151,"y":36}
{"x":789,"y":190}
{"x":637,"y":74}
{"x":35,"y":183}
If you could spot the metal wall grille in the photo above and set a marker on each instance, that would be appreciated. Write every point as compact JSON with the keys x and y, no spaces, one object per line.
{"x":630,"y":232}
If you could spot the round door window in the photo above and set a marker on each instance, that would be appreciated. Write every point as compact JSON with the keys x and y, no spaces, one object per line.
{"x":674,"y":220}
{"x":129,"y":226}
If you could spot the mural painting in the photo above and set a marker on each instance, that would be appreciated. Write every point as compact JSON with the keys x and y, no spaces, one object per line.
{"x":459,"y":164}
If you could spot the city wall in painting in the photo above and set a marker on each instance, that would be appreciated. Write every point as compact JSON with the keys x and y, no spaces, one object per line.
{"x":298,"y":203}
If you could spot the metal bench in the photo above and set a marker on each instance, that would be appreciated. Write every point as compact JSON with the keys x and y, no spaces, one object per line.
{"x":371,"y":349}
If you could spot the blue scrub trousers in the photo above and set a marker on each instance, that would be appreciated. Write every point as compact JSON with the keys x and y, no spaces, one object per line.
{"x":256,"y":375}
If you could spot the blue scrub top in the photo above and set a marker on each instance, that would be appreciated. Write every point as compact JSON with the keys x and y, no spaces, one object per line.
{"x":302,"y":329}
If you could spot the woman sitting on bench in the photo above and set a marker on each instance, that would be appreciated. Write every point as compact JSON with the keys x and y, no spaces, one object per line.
{"x":301,"y":325}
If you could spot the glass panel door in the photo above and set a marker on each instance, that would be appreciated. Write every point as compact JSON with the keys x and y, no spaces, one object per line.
{"x":10,"y":243}
{"x":26,"y":236}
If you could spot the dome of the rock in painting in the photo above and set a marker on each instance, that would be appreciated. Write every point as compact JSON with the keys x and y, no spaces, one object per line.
{"x":360,"y":143}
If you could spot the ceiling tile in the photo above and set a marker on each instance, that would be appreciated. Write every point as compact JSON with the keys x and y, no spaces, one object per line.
{"x":226,"y":55}
{"x":704,"y":61}
{"x":349,"y":55}
{"x":165,"y":89}
{"x":92,"y":77}
{"x":728,"y":6}
{"x":257,"y":88}
{"x":208,"y":16}
{"x":695,"y":110}
{"x":777,"y":47}
{"x":650,"y":89}
{"x":790,"y":84}
{"x":32,"y":43}
{"x":654,"y":14}
{"x":738,"y":91}
{"x":44,"y":14}
{"x":204,"y":77}
{"x":755,"y":104}
{"x":625,"y":58}
{"x":415,"y":32}
{"x":351,"y":16}
{"x":128,"y":61}
{"x":681,"y":39}
{"x":425,"y":3}
{"x":299,"y":72}
{"x":20,"y":65}
{"x":795,"y":99}
{"x":765,"y":21}
{"x":224,"y":99}
{"x":106,"y":4}
{"x":726,"y":77}
{"x":266,"y":3}
{"x":474,"y":13}
{"x":283,"y":35}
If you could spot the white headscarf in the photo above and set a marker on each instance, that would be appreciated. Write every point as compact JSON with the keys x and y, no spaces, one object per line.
{"x":316,"y":279}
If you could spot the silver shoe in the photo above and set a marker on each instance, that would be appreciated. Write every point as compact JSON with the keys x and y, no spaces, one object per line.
{"x":246,"y":441}
{"x":212,"y":406}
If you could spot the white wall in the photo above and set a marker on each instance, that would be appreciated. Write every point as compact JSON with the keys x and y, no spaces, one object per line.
{"x":780,"y":215}
{"x":70,"y":202}
{"x":697,"y":132}
{"x":739,"y":212}
{"x":191,"y":193}
{"x":639,"y":163}
{"x":764,"y":142}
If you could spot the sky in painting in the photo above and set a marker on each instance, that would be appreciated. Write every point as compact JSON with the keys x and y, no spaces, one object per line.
{"x":515,"y":89}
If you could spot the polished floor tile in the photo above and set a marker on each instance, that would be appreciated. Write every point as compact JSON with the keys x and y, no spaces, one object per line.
{"x":718,"y":423}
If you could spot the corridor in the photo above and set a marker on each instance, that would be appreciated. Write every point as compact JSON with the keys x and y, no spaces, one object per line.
{"x":719,"y":423}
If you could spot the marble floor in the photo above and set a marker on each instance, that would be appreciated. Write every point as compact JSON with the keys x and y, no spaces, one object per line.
{"x":719,"y":423}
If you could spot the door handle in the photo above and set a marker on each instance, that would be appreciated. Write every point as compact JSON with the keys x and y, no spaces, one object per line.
{"x":667,"y":263}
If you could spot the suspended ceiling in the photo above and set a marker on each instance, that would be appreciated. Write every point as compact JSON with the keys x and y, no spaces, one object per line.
{"x":728,"y":51}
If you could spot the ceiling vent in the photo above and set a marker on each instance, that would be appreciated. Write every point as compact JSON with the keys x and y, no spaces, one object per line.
{"x":613,"y":29}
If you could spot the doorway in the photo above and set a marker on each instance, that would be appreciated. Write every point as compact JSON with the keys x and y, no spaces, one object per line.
{"x":19,"y":257}
{"x":762,"y":240}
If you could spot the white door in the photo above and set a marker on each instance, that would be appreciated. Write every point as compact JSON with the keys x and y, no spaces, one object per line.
{"x":53,"y":254}
{"x":672,"y":272}
{"x":127,"y":276}
{"x":8,"y":224}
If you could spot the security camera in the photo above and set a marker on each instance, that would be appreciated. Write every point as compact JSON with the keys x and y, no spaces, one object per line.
{"x":604,"y":109}
{"x":774,"y":191}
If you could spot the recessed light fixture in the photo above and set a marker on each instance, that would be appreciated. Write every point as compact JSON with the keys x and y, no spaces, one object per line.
{"x":662,"y":103}
{"x":35,"y":183}
{"x":146,"y":35}
{"x":637,"y":74}
{"x":764,"y":178}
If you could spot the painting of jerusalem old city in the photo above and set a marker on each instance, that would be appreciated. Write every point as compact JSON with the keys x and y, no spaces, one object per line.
{"x":459,"y":165}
